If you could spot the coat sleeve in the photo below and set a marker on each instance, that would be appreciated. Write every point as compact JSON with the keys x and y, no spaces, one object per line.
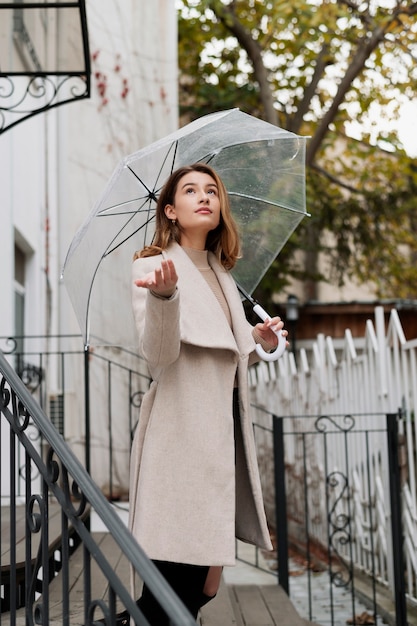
{"x":157,"y":319}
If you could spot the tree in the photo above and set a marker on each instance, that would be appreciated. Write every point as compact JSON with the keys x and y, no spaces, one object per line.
{"x":317,"y":68}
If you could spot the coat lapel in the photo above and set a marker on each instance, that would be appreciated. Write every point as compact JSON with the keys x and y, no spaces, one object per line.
{"x":242,"y":330}
{"x":202,"y":321}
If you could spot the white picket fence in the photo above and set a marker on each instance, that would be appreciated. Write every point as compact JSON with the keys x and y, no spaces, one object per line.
{"x":365,"y":378}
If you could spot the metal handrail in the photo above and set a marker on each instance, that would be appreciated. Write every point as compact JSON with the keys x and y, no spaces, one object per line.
{"x":63,"y":476}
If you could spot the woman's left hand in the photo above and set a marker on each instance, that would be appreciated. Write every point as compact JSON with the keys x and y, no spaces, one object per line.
{"x":268,"y":329}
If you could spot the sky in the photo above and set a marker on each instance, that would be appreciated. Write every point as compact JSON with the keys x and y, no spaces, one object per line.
{"x":407,"y":128}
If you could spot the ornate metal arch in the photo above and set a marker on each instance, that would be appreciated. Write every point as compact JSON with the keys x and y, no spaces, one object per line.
{"x":44,"y":57}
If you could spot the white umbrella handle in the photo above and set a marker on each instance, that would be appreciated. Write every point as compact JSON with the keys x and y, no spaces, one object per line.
{"x":282,"y":341}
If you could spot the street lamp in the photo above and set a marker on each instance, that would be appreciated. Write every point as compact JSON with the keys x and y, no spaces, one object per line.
{"x":292,"y":314}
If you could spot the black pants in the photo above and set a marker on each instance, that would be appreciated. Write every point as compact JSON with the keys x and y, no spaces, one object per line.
{"x":188,"y":583}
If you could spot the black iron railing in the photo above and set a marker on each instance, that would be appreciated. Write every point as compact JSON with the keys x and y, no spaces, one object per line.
{"x":91,"y":396}
{"x":53,"y":476}
{"x":317,"y":505}
{"x":309,"y":492}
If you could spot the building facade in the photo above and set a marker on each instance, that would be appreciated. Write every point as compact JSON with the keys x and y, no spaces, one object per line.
{"x":55,"y":164}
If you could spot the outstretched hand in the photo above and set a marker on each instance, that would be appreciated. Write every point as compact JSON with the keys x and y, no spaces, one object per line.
{"x":161,"y":281}
{"x":269,"y":327}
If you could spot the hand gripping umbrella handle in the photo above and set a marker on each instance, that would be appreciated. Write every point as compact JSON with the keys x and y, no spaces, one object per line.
{"x":282,"y":342}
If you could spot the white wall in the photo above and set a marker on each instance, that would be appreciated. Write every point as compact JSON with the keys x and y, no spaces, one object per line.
{"x":54,"y":165}
{"x":133,"y":46}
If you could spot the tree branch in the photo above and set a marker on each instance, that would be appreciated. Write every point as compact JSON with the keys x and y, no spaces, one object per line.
{"x":228,"y":18}
{"x":335,"y":179}
{"x":356,"y":66}
{"x":304,"y":104}
{"x":363,"y":52}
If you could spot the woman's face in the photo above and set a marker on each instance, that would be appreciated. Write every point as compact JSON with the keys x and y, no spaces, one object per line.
{"x":196,"y":207}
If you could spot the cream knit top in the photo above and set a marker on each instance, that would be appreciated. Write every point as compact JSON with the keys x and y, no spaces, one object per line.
{"x":200,"y":260}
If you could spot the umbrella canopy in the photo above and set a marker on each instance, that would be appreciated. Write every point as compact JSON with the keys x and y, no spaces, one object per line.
{"x":263,"y":168}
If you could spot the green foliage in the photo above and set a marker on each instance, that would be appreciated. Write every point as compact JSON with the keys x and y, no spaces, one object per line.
{"x":368,"y":227}
{"x":328,"y":65}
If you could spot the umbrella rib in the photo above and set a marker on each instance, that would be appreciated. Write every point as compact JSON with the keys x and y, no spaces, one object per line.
{"x":152,"y":194}
{"x":175,"y":156}
{"x":106,"y":212}
{"x":265,"y":201}
{"x":131,"y":212}
{"x":128,"y":237}
{"x":87,"y":319}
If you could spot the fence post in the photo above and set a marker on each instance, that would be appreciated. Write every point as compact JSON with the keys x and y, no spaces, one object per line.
{"x":396,"y":518}
{"x":280,"y":503}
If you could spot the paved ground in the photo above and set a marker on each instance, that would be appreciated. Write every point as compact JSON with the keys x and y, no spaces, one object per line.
{"x":319,"y":612}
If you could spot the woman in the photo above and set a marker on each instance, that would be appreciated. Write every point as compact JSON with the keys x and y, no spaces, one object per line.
{"x":194,"y":477}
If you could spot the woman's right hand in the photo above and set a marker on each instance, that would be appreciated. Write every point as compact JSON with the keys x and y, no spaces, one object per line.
{"x":162,"y":281}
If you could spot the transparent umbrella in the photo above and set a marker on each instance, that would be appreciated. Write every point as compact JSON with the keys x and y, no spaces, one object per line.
{"x":263,"y":168}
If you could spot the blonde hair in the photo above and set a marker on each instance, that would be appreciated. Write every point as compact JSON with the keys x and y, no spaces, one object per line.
{"x":223,"y":241}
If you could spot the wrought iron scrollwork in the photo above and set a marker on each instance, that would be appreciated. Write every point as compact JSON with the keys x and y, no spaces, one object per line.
{"x":11,"y":343}
{"x":5,"y":394}
{"x":33,"y":516}
{"x":136,"y":399}
{"x":344,"y":423}
{"x":103,"y":607}
{"x":19,"y":413}
{"x":38,"y":94}
{"x":52,"y":467}
{"x":31,"y":375}
{"x":339,"y":528}
{"x":68,"y":488}
{"x":32,"y":85}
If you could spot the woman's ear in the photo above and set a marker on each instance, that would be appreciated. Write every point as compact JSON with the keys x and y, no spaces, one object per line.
{"x":170,"y":212}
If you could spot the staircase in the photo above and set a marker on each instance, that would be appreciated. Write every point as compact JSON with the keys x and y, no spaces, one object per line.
{"x":54,"y":585}
{"x":55,"y":570}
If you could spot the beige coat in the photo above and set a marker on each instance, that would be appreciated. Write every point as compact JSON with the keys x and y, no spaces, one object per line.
{"x":188,"y":497}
